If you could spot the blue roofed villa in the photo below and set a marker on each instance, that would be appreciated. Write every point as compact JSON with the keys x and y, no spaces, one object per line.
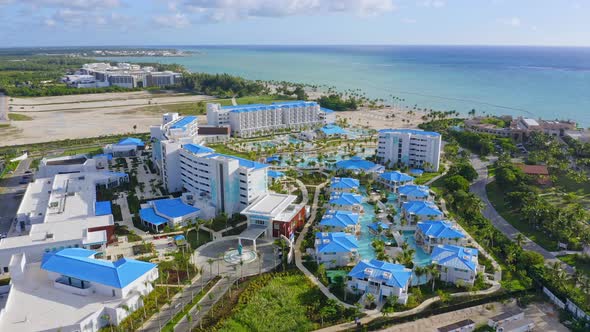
{"x":340,"y":221}
{"x":431,"y":233}
{"x":458,"y":265}
{"x":412,"y":192}
{"x":358,"y":165}
{"x":336,"y":249}
{"x":393,"y":180}
{"x":346,"y":201}
{"x":331,"y":131}
{"x":415,"y":211}
{"x":168,"y":211}
{"x":345,"y":185}
{"x":126,"y":147}
{"x":382,"y":279}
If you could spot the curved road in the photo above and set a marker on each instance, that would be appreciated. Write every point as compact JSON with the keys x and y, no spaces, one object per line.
{"x":479,"y":188}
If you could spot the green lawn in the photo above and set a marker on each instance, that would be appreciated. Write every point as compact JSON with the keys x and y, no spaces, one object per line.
{"x":496,"y":197}
{"x":204,"y":237}
{"x":579,"y":262}
{"x":19,"y":117}
{"x":426,"y":177}
{"x":223,"y":149}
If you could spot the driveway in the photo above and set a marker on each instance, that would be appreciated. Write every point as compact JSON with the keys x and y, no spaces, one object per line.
{"x":11,"y":192}
{"x":479,"y":188}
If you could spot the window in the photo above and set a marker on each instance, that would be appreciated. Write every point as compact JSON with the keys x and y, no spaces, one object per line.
{"x":114,"y":293}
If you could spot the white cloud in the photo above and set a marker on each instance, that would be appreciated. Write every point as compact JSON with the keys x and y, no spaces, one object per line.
{"x":512,"y":21}
{"x":432,"y":3}
{"x":223,"y":10}
{"x":177,"y":20}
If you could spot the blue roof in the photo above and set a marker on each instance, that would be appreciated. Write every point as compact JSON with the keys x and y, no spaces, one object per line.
{"x":396,"y":176}
{"x":355,"y":163}
{"x":439,"y":229}
{"x":339,"y":218}
{"x":375,"y":226}
{"x":149,"y":215}
{"x":331,"y":129}
{"x":183,"y":122}
{"x":275,"y":174}
{"x":335,"y":242}
{"x":263,"y":107}
{"x":455,"y":256}
{"x":395,"y":275}
{"x":173,"y":207}
{"x":344,"y":183}
{"x":345,"y":199}
{"x":103,"y":155}
{"x":414,"y":190}
{"x":416,"y":171}
{"x":326,"y":110}
{"x":421,"y":208}
{"x":409,"y":131}
{"x":81,"y":264}
{"x":272,"y":159}
{"x":179,"y":238}
{"x":102,"y":208}
{"x":197,"y":149}
{"x":131,"y":141}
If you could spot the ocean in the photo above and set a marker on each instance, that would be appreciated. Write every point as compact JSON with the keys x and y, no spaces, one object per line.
{"x":545,"y":82}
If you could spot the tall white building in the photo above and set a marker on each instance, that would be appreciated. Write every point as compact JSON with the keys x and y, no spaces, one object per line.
{"x":409,"y":147}
{"x":227,"y":183}
{"x":167,"y":139}
{"x":255,"y":119}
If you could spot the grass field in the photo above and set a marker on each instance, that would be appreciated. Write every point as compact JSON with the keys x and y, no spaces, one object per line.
{"x":496,"y":197}
{"x":19,"y":117}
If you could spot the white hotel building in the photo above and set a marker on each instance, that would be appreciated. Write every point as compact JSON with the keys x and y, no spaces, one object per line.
{"x":167,"y":139}
{"x":226,"y":183}
{"x":256,"y":119}
{"x":409,"y":147}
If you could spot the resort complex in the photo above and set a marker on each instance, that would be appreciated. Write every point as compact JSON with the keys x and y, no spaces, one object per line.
{"x":409,"y":147}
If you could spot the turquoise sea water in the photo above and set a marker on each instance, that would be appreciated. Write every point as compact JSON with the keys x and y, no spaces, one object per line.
{"x":547,"y":82}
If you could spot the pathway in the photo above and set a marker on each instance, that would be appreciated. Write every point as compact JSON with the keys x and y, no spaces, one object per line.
{"x":479,"y":188}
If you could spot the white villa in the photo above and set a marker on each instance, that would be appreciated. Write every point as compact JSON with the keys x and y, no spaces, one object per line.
{"x":412,"y":192}
{"x":336,"y":249}
{"x":344,"y":185}
{"x":340,"y":221}
{"x":456,"y":264}
{"x":431,"y":233}
{"x":382,"y":279}
{"x":419,"y":211}
{"x":70,"y":290}
{"x":393,"y":180}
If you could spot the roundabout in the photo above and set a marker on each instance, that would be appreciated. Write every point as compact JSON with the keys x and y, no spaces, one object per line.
{"x":234,"y":257}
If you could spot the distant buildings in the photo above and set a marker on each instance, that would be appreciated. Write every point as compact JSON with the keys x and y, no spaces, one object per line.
{"x":409,"y":147}
{"x":431,"y":233}
{"x":71,"y":290}
{"x":125,"y":75}
{"x":382,"y":279}
{"x":256,"y":119}
{"x":519,"y":128}
{"x":171,"y":212}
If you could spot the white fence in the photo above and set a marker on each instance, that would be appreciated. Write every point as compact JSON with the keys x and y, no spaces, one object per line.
{"x":568,"y":305}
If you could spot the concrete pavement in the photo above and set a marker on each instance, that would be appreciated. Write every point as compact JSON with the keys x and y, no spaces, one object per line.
{"x":479,"y":188}
{"x":11,"y":192}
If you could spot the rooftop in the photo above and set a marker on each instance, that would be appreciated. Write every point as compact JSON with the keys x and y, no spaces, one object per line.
{"x":326,"y":110}
{"x":262,"y":107}
{"x":344,"y":183}
{"x":335,"y":242}
{"x":395,"y":275}
{"x":534,"y":169}
{"x":330,"y":130}
{"x":375,"y":226}
{"x":396,"y":176}
{"x":275,"y":174}
{"x":81,"y":264}
{"x":410,"y":131}
{"x":506,"y":315}
{"x":356,"y":163}
{"x":338,"y":218}
{"x":173,"y":207}
{"x":130,"y":141}
{"x":345,"y":199}
{"x":102,"y":208}
{"x":421,"y":208}
{"x":439,"y":229}
{"x":150,"y":215}
{"x":455,"y":256}
{"x":414,"y":190}
{"x":183,"y":122}
{"x":197,"y":149}
{"x":455,"y":326}
{"x":271,"y":205}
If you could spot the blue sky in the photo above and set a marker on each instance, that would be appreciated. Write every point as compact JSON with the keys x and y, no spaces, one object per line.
{"x":199,"y":22}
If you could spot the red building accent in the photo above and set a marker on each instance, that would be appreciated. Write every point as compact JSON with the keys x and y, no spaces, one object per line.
{"x":110,"y":232}
{"x":288,"y":228}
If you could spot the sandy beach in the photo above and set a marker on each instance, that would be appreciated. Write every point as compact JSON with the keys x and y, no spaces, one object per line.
{"x":388,"y":117}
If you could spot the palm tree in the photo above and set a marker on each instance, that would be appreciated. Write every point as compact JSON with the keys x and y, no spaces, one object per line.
{"x":199,"y":308}
{"x":107,"y":318}
{"x":519,"y":239}
{"x":189,"y":320}
{"x":210,"y":261}
{"x":126,"y":308}
{"x":434,"y":273}
{"x":142,"y":297}
{"x":369,"y":299}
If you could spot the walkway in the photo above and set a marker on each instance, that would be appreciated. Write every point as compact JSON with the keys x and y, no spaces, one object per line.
{"x":479,"y":188}
{"x":298,"y":260}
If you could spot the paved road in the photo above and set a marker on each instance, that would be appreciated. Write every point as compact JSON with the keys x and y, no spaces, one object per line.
{"x":11,"y":194}
{"x":479,"y":188}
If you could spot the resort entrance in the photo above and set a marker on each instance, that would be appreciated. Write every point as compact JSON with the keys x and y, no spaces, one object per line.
{"x":252,"y":233}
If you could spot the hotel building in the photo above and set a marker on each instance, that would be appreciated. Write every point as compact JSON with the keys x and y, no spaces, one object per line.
{"x":409,"y":147}
{"x":255,"y":119}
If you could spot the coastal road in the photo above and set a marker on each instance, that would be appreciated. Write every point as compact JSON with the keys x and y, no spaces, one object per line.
{"x":479,"y":188}
{"x":11,"y":192}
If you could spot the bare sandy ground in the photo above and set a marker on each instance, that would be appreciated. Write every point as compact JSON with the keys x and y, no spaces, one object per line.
{"x":57,"y":118}
{"x":388,"y":117}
